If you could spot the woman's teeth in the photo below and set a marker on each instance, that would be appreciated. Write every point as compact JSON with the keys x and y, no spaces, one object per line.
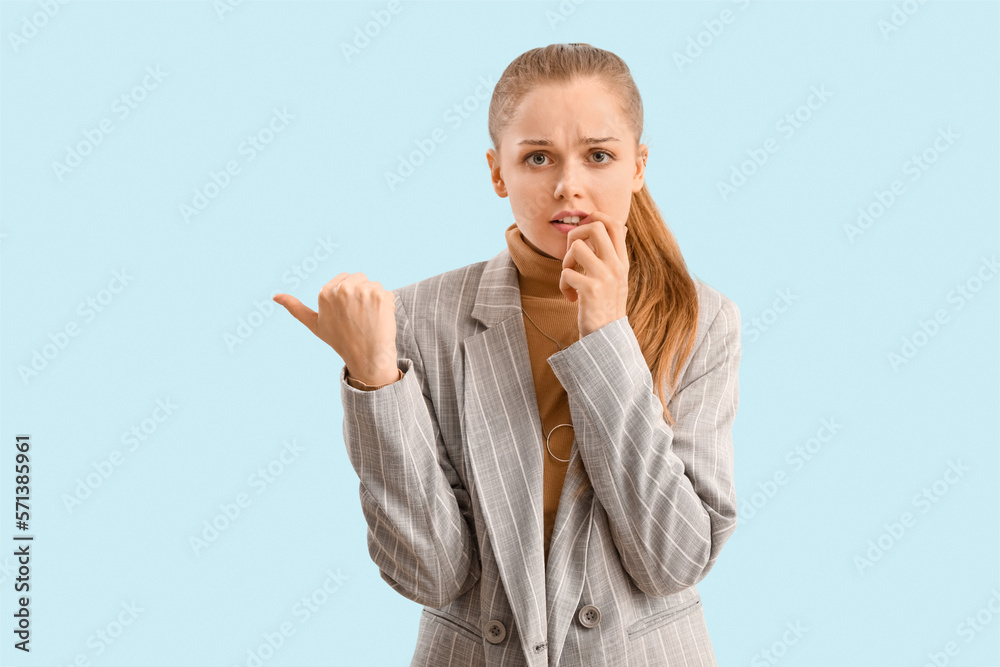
{"x":573,"y":220}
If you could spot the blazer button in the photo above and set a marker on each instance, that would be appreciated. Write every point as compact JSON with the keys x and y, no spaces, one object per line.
{"x":495,"y":632}
{"x":589,"y":616}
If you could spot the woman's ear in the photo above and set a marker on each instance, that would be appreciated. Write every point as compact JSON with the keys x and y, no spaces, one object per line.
{"x":494,"y":161}
{"x":640,"y":168}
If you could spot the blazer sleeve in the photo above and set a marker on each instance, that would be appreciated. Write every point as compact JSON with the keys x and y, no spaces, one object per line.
{"x":416,"y":507}
{"x":668,"y":492}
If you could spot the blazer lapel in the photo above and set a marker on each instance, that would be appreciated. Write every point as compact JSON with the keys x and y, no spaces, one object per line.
{"x":502,"y":429}
{"x":568,"y":552}
{"x":505,"y":450}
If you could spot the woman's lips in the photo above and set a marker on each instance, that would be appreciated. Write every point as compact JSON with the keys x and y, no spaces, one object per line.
{"x":563,"y":227}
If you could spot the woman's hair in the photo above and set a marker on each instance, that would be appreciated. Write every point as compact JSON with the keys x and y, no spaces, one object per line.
{"x":662,"y":302}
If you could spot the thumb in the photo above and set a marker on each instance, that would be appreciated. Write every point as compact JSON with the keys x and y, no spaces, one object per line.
{"x":299,"y":311}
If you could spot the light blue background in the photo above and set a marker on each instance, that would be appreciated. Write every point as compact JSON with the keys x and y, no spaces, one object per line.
{"x":323,"y":176}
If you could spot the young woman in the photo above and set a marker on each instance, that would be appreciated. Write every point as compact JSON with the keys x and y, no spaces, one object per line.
{"x":544,"y":439}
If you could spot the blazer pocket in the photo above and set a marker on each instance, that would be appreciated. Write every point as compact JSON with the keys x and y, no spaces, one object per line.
{"x":661,"y":618}
{"x":454,"y":623}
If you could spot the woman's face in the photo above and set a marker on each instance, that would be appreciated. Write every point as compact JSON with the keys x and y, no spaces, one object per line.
{"x":569,"y":148}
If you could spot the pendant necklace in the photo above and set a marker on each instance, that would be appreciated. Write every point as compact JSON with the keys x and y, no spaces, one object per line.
{"x":557,"y":425}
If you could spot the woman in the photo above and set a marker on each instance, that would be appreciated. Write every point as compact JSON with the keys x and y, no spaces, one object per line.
{"x":527,"y":543}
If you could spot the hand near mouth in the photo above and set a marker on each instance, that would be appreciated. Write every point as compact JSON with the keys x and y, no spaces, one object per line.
{"x":599,"y":249}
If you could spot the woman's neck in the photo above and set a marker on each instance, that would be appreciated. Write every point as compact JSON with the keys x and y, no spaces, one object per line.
{"x":538,"y":272}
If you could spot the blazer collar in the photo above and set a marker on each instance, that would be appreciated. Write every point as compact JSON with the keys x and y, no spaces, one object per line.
{"x":505,"y":455}
{"x":499,"y":295}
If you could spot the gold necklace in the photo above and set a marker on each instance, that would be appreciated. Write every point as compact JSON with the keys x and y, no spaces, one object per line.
{"x":557,"y":425}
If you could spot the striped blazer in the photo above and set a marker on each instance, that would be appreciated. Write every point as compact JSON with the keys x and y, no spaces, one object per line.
{"x":449,"y":459}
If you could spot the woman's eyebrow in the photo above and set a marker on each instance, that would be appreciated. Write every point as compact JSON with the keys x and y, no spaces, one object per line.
{"x":585,"y":140}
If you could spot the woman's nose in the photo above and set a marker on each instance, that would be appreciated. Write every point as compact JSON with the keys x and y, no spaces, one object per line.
{"x":568,"y":182}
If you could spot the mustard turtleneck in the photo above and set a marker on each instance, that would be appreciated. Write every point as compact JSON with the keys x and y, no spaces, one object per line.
{"x":541,"y":300}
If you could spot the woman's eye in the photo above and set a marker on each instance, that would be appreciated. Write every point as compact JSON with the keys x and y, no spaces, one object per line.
{"x":531,"y":158}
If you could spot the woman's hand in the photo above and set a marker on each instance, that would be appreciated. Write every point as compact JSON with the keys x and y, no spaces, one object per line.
{"x":603,"y":288}
{"x":357,"y":319}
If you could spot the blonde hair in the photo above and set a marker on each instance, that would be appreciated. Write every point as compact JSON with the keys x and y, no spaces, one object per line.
{"x":662,"y":301}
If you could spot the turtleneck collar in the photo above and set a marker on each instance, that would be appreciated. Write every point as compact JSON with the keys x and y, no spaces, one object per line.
{"x":538,"y":274}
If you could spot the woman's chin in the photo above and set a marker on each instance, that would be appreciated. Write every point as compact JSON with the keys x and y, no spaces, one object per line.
{"x":553,"y":254}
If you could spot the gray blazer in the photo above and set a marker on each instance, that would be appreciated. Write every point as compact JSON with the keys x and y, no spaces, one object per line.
{"x":450,"y":465}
